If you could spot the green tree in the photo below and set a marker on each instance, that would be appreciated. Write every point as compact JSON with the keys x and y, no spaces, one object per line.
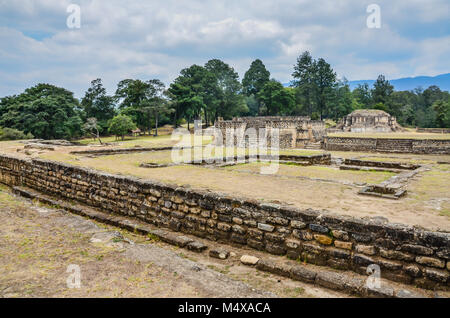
{"x":324,"y":81}
{"x":254,"y":80}
{"x":442,"y":110}
{"x":276,"y":99}
{"x":223,"y":97}
{"x":96,"y":104}
{"x":121,"y":125}
{"x":192,"y":92}
{"x":363,"y":95}
{"x":315,"y":81}
{"x":304,"y":73}
{"x":134,"y":98}
{"x":382,"y":90}
{"x":45,"y":111}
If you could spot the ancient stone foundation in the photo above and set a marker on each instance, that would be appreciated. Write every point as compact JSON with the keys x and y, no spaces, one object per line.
{"x":424,"y":146}
{"x":294,"y":132}
{"x":404,"y":253}
{"x":369,"y":120}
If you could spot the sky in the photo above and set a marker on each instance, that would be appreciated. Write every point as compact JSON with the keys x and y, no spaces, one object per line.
{"x":156,"y":39}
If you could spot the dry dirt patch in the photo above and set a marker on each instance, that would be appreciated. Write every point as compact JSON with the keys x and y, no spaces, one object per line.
{"x":37,"y":243}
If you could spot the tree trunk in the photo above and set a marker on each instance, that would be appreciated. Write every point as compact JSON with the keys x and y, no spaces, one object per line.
{"x":156,"y":124}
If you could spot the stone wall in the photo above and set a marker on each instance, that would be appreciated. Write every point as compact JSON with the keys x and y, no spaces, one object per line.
{"x":404,"y":253}
{"x":434,"y":130}
{"x":369,"y":120}
{"x":425,"y":146}
{"x":294,"y":132}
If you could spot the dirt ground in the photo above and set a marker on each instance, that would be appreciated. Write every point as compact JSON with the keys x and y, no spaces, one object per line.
{"x":427,"y":203}
{"x":38,"y":243}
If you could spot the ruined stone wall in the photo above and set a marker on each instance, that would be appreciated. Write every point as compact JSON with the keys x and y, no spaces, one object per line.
{"x":293,"y":131}
{"x":434,"y":130}
{"x":425,"y":146}
{"x":404,"y":253}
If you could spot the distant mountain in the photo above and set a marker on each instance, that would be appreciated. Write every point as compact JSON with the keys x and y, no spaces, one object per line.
{"x":409,"y":83}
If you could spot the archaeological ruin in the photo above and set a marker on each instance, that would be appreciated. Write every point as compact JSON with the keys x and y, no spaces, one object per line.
{"x":294,"y":132}
{"x":369,"y":120}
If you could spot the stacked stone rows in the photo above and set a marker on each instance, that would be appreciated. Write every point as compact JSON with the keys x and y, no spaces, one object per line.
{"x":404,"y":253}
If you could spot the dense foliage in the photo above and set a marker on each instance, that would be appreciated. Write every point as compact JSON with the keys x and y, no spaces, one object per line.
{"x":208,"y":92}
{"x":13,"y":134}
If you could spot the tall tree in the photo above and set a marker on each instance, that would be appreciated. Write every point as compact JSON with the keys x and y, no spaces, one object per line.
{"x":223,"y":97}
{"x":96,"y":104}
{"x":134,"y":98}
{"x":324,"y":81}
{"x":276,"y":99}
{"x":363,"y":95}
{"x":304,"y":73}
{"x":382,"y":90}
{"x":46,"y":111}
{"x":255,"y":79}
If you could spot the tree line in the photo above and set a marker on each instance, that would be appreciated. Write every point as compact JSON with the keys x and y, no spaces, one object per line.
{"x":208,"y":92}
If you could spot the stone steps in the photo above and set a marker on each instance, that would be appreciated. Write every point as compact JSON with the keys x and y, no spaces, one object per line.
{"x":344,"y":281}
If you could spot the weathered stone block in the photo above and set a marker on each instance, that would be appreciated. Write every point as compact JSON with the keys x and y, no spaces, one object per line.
{"x":413,"y":270}
{"x":277,"y":220}
{"x":274,"y":237}
{"x":437,"y":275}
{"x":323,"y":239}
{"x":318,"y":228}
{"x":344,"y":245}
{"x":256,"y":234}
{"x":297,"y":224}
{"x":294,"y":244}
{"x":224,"y":227}
{"x":196,"y":246}
{"x":338,"y":253}
{"x":362,"y":260}
{"x":430,"y":261}
{"x":303,"y":235}
{"x":219,"y":253}
{"x":273,"y":267}
{"x":341,"y":235}
{"x":249,"y":260}
{"x":417,"y":249}
{"x":396,"y":255}
{"x":237,"y":220}
{"x":365,"y":249}
{"x":275,"y":248}
{"x":266,"y":227}
{"x":255,"y":244}
{"x":303,"y":274}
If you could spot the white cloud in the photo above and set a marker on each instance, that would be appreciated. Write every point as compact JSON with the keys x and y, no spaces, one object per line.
{"x":156,"y":39}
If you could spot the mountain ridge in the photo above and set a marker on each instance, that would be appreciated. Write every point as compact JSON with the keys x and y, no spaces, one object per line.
{"x":408,"y":83}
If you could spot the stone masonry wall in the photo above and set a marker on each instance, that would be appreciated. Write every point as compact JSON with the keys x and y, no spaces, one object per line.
{"x":403,"y":253}
{"x":425,"y":146}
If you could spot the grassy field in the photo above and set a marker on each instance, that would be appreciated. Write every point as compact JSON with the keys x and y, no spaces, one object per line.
{"x":319,"y":187}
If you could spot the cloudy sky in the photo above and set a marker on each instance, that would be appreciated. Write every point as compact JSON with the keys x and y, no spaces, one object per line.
{"x":157,"y":38}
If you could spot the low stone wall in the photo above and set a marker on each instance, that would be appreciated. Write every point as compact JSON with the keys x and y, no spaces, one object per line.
{"x":425,"y":146}
{"x":434,"y":130}
{"x":403,"y":253}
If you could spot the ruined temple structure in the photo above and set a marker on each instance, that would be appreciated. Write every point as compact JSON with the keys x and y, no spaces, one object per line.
{"x":294,"y":132}
{"x":369,"y":120}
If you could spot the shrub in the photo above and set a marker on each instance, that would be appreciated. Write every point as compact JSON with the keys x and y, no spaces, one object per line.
{"x":13,"y":134}
{"x":121,"y":125}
